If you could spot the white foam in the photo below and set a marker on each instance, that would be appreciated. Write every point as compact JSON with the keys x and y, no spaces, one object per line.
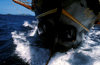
{"x":22,"y":49}
{"x":84,"y":55}
{"x":97,"y":63}
{"x":32,"y":32}
{"x":30,"y":54}
{"x":26,"y":23}
{"x":61,"y":58}
{"x":98,"y":33}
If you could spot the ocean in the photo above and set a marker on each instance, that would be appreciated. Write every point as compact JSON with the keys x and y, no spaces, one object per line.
{"x":17,"y":46}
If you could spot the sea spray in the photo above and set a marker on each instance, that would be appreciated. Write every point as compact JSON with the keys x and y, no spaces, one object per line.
{"x":87,"y":54}
{"x":31,"y":54}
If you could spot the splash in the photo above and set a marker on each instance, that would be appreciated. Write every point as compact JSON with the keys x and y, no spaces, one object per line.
{"x":87,"y":54}
{"x":22,"y":49}
{"x":26,"y":48}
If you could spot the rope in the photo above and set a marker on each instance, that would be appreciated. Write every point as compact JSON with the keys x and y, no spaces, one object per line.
{"x":49,"y":58}
{"x":53,"y":11}
{"x":15,"y":7}
{"x":47,"y":13}
{"x":66,"y":14}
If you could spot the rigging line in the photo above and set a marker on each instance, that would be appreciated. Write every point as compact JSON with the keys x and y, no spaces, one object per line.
{"x":47,"y":13}
{"x":64,"y":13}
{"x":74,"y":19}
{"x":26,"y":1}
{"x":16,"y":7}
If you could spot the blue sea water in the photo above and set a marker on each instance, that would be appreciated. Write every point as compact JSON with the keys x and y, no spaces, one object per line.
{"x":8,"y":24}
{"x":17,"y":46}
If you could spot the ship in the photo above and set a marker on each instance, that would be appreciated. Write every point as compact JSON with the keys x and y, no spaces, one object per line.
{"x":62,"y":23}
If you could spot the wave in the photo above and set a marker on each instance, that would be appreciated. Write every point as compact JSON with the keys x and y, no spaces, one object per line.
{"x":87,"y":54}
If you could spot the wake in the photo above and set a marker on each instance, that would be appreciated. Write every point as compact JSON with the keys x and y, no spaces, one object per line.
{"x":87,"y":54}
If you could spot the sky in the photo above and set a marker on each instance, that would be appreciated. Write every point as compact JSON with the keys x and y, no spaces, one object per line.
{"x":7,"y":7}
